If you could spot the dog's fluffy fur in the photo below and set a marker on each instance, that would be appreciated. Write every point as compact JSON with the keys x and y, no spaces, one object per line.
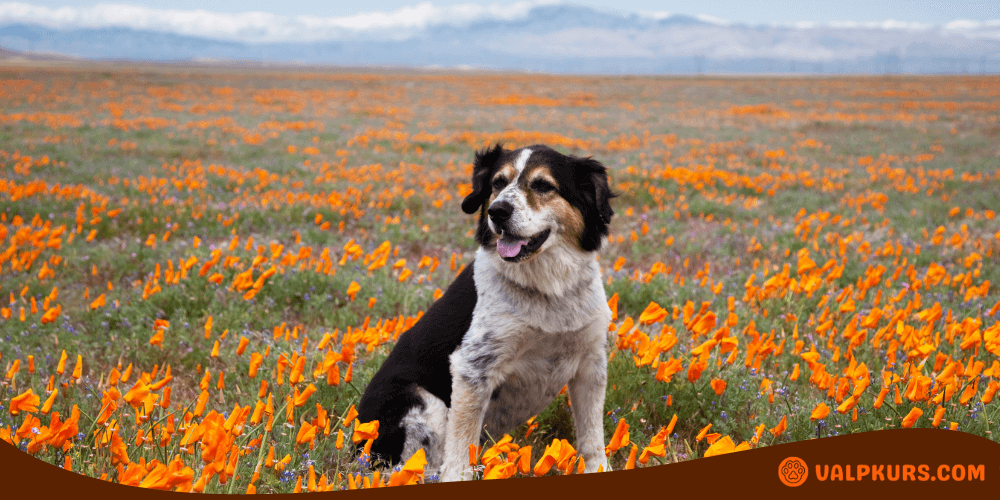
{"x":526,"y":318}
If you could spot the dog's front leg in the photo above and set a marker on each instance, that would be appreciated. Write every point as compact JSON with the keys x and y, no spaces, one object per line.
{"x":586,"y":392}
{"x":476,"y":369}
{"x":469,"y":399}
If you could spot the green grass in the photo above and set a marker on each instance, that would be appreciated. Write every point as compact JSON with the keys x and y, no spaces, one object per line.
{"x":180,"y":181}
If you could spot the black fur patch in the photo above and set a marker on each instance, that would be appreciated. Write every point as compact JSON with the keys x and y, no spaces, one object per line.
{"x":420,"y":358}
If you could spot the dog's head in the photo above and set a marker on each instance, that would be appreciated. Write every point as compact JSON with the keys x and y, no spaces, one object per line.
{"x":534,"y":198}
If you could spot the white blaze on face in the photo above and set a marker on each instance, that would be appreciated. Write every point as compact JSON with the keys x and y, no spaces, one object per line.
{"x":522,"y":160}
{"x":520,"y":221}
{"x":512,"y":194}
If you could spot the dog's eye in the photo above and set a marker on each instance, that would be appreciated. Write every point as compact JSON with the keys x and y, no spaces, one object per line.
{"x":499,"y":183}
{"x":541,"y":186}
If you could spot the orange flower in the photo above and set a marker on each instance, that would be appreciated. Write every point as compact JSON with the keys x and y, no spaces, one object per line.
{"x":657,"y":446}
{"x":935,"y":273}
{"x":673,"y":422}
{"x":301,"y":398}
{"x":108,"y":405}
{"x":501,"y":471}
{"x":351,"y":415}
{"x":938,"y":415}
{"x":652,"y":314}
{"x":26,"y":401}
{"x":720,"y":447}
{"x":704,"y":324}
{"x":694,"y":371}
{"x":296,"y":375}
{"x":368,"y":430}
{"x":14,"y":368}
{"x":48,"y":401}
{"x":558,"y":453}
{"x":255,"y":361}
{"x":666,"y":370}
{"x":703,"y":432}
{"x":412,"y":470}
{"x":780,"y":428}
{"x":820,"y":412}
{"x":353,"y":289}
{"x":619,"y":439}
{"x":61,"y":367}
{"x":306,"y":433}
{"x":137,"y":394}
{"x":501,"y":448}
{"x":911,"y":417}
{"x":630,"y":463}
{"x":719,"y":386}
{"x":847,"y":405}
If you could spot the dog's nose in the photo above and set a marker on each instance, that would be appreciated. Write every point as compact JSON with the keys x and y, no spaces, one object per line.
{"x":500,"y":212}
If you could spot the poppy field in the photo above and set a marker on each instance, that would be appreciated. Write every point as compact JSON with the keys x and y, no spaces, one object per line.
{"x":201,"y":268}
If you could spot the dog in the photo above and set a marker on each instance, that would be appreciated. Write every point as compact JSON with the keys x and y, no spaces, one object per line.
{"x":526,"y":318}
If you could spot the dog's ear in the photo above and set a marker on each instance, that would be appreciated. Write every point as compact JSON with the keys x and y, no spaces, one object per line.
{"x":482,"y":170}
{"x":592,"y":179}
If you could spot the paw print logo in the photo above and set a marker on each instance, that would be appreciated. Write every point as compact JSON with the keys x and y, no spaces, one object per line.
{"x":793,"y":471}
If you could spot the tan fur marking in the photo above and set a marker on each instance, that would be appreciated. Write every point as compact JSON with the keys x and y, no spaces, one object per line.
{"x":507,"y":171}
{"x":531,"y":174}
{"x":571,"y":220}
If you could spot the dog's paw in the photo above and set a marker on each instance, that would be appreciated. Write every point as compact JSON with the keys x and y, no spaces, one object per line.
{"x":453,"y":474}
{"x":602,"y":466}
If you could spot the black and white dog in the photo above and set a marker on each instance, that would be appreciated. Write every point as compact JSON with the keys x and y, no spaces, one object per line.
{"x":528,"y":317}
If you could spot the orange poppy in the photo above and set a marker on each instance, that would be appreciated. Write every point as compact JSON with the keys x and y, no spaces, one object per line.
{"x":26,"y":401}
{"x":780,"y":428}
{"x":820,"y":412}
{"x":911,"y":417}
{"x":367,"y":430}
{"x":619,"y":439}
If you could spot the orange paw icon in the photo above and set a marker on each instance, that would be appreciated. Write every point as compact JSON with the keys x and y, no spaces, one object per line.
{"x":793,"y":471}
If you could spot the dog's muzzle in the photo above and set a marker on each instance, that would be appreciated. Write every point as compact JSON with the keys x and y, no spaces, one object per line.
{"x":500,"y":213}
{"x":510,"y":246}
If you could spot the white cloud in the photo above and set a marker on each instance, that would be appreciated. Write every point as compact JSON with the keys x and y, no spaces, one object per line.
{"x":657,"y":15}
{"x":973,"y":29}
{"x":399,"y":24}
{"x":718,"y":21}
{"x":257,"y":27}
{"x":888,"y":24}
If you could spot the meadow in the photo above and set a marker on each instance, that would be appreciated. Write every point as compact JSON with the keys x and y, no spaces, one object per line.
{"x":201,"y":268}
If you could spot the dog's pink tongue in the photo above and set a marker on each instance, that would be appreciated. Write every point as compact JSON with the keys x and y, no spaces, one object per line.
{"x":509,"y":249}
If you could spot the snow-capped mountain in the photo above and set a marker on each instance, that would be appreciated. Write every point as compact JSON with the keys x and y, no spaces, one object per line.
{"x":525,"y":36}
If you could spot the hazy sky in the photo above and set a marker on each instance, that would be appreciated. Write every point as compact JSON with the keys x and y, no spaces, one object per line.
{"x":742,"y":11}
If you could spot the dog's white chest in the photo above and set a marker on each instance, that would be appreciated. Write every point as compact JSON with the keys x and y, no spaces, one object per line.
{"x":540,"y":368}
{"x":504,"y":303}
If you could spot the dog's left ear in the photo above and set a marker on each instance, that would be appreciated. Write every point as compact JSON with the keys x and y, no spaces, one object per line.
{"x":482,"y":170}
{"x":593,"y":185}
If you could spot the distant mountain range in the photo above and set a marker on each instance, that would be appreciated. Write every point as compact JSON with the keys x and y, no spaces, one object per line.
{"x":562,"y":39}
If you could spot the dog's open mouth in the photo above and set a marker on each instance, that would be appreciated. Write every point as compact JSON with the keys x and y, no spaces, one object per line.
{"x":513,"y":249}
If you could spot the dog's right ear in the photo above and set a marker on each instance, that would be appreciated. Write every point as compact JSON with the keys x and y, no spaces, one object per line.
{"x":482,"y":170}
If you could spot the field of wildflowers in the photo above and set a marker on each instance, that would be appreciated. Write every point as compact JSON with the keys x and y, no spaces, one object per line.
{"x":201,"y":268}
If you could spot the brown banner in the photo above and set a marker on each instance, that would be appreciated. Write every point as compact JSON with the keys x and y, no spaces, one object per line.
{"x":892,"y":461}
